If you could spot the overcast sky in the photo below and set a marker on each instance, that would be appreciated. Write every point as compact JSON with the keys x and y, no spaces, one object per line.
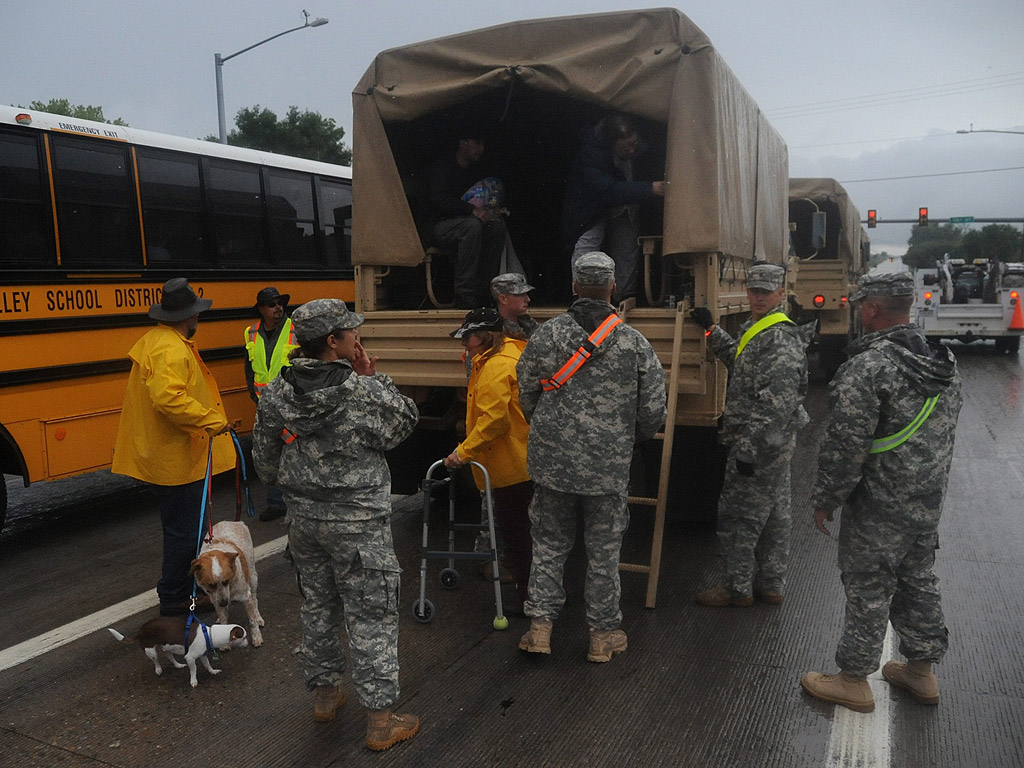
{"x":859,"y":90}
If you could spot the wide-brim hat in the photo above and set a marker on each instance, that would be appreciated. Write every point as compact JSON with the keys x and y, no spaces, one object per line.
{"x":483,"y":319}
{"x":270,"y":294}
{"x":178,"y":302}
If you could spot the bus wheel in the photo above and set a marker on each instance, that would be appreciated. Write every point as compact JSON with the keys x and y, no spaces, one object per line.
{"x":3,"y":502}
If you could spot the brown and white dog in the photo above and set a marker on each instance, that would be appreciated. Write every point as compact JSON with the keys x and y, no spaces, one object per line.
{"x":167,"y":634}
{"x":226,"y":571}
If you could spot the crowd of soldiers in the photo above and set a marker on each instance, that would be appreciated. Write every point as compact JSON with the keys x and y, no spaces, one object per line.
{"x":590,"y":387}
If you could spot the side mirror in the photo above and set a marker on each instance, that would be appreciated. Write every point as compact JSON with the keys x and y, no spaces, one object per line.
{"x":818,"y":222}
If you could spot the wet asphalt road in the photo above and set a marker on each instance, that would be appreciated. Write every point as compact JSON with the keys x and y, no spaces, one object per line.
{"x":700,"y":687}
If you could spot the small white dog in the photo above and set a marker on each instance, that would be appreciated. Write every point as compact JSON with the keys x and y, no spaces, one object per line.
{"x":226,"y":571}
{"x":167,"y":633}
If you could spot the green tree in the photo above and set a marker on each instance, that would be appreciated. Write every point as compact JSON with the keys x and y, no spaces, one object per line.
{"x":994,"y":241}
{"x":928,"y":244}
{"x":300,"y":134}
{"x":81,"y":111}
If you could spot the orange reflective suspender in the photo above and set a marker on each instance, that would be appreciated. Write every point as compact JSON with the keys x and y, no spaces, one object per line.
{"x":582,"y":354}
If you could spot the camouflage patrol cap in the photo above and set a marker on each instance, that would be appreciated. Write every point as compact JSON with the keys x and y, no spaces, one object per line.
{"x":510,"y":283}
{"x":884,"y":284}
{"x":766,"y":277}
{"x":594,"y":268}
{"x":322,"y":316}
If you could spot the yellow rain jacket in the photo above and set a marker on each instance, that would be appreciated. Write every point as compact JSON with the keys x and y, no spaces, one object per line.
{"x":496,"y":430}
{"x":171,"y":408}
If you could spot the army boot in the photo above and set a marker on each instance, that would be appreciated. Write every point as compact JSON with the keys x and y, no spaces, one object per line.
{"x":720,"y":597}
{"x":538,"y":639}
{"x":843,"y":688}
{"x":916,"y":677}
{"x":385,"y":728}
{"x":604,"y":643}
{"x":328,"y":700}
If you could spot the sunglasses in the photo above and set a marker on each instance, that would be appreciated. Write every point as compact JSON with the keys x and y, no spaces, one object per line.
{"x":277,"y":303}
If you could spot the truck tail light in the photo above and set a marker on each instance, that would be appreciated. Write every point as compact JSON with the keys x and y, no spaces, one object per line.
{"x":1013,"y":297}
{"x":819,"y":301}
{"x":927,"y":297}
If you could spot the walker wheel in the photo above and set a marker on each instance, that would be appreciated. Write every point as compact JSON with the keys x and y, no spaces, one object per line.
{"x":449,"y":578}
{"x":426,"y":615}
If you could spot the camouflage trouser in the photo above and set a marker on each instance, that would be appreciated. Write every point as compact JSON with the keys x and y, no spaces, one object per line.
{"x":349,"y":575}
{"x":553,"y":520}
{"x":888,"y":576}
{"x":755,"y":521}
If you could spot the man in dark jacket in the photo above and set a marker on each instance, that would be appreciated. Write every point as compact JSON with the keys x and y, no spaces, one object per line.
{"x":886,"y":457}
{"x":602,"y":198}
{"x":473,"y":228}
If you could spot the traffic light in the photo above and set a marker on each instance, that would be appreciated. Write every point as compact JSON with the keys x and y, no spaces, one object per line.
{"x":922,"y":217}
{"x":872,"y":218}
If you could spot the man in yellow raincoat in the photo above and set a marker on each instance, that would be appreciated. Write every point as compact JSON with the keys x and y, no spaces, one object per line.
{"x":172,"y":409}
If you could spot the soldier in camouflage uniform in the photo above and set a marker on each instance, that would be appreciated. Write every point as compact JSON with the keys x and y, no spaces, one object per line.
{"x":763,"y":413}
{"x":511,"y":294}
{"x":582,"y":433}
{"x":886,"y":457}
{"x":321,"y":431}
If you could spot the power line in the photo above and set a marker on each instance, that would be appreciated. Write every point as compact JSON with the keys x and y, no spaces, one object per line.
{"x":870,"y":141}
{"x":933,"y":175}
{"x":896,"y":97}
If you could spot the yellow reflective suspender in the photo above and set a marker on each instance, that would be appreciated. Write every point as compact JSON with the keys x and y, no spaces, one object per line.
{"x":582,"y":354}
{"x":883,"y":444}
{"x":765,"y":322}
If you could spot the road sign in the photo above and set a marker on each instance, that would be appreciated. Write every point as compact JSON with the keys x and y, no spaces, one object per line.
{"x":961,"y":220}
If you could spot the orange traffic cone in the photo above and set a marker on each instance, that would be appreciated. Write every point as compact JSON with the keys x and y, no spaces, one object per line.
{"x":1017,"y":323}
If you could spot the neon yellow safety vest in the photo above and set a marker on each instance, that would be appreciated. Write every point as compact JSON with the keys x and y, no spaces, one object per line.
{"x":883,"y":444}
{"x":765,"y":322}
{"x":256,"y":348}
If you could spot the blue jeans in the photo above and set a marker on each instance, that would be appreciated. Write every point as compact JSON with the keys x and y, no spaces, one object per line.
{"x":179,"y":518}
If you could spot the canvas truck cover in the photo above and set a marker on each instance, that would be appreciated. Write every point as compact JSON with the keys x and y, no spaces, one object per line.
{"x":728,"y":168}
{"x":850,"y":233}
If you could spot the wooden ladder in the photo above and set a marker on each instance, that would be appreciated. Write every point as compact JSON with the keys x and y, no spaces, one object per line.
{"x":661,"y":501}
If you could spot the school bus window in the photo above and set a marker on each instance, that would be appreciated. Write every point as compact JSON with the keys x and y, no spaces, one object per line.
{"x":98,"y":222}
{"x":172,"y":208}
{"x":336,"y":222}
{"x":26,"y":228}
{"x":235,"y":197}
{"x":292,"y":218}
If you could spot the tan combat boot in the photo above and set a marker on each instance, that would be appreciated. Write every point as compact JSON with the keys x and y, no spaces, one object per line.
{"x":720,"y":597}
{"x":845,"y":689}
{"x":604,"y":643}
{"x":385,"y":728}
{"x":538,"y":639}
{"x":916,"y":677}
{"x":329,"y":699}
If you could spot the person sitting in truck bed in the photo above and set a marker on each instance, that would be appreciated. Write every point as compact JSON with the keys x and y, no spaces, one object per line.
{"x":475,"y":230}
{"x":601,"y":202}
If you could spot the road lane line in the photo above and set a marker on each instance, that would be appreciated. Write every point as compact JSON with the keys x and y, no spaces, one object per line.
{"x":862,"y":740}
{"x":22,"y":652}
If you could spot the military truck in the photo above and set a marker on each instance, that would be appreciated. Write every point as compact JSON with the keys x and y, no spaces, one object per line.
{"x":833,"y":251}
{"x":536,"y":85}
{"x":971,"y":302}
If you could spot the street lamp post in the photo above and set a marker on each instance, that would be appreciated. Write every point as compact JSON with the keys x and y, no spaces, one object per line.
{"x":986,"y":130}
{"x":219,"y":60}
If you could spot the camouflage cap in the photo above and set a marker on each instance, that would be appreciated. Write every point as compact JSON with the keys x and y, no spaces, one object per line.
{"x":510,"y":283}
{"x":766,"y":277}
{"x":594,"y":268}
{"x":884,"y":284}
{"x":322,"y":316}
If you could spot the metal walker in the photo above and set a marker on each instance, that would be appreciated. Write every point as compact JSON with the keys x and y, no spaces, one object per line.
{"x":423,"y":609}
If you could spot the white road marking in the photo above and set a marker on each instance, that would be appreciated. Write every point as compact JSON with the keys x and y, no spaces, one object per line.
{"x":22,"y":652}
{"x":859,"y":740}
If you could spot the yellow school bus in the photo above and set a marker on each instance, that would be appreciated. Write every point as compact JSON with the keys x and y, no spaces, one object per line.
{"x":94,"y":218}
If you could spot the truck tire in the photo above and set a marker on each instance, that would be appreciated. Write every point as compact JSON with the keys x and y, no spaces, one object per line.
{"x":3,"y":502}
